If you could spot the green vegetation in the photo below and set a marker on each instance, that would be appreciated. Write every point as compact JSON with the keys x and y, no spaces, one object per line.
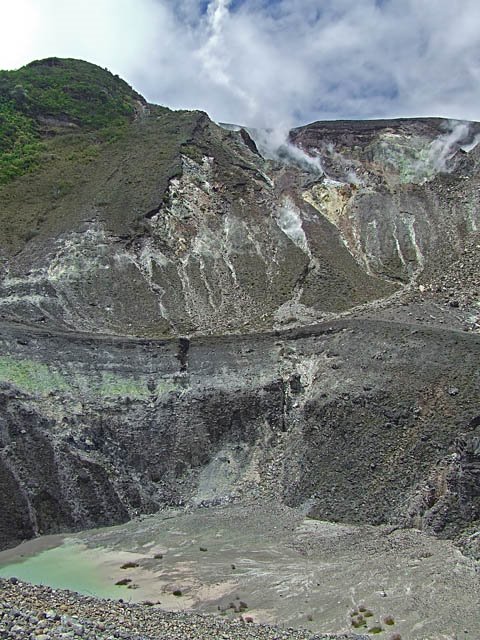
{"x":375,"y":629}
{"x":113,"y":386}
{"x":55,"y":96}
{"x":72,"y":169}
{"x":358,"y":620}
{"x":35,"y":377}
{"x":116,"y":386}
{"x":19,"y":143}
{"x":31,"y":376}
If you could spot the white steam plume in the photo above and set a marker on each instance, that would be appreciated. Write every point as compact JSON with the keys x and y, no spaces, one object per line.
{"x":446,"y":146}
{"x":470,"y":146}
{"x":214,"y":57}
{"x":275,"y":144}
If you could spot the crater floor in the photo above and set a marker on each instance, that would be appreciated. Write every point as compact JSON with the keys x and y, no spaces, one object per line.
{"x":286,"y":569}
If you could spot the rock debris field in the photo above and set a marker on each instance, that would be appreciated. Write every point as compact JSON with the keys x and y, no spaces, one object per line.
{"x":42,"y":613}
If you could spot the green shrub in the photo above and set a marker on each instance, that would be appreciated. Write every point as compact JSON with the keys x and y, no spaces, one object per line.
{"x":68,"y":92}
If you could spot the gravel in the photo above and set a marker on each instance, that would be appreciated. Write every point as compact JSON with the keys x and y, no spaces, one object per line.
{"x":41,"y":613}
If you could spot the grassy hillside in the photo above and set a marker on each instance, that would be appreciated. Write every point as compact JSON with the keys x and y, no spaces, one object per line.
{"x":52,"y":96}
{"x":72,"y":148}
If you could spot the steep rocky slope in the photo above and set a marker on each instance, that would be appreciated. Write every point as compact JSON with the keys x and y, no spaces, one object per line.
{"x":150,"y":271}
{"x":173,"y":225}
{"x":360,"y":421}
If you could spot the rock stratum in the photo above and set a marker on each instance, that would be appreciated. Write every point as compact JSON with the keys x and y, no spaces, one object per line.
{"x":189,"y":316}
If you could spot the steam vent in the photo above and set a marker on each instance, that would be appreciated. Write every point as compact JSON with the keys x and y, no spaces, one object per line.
{"x":239,"y":382}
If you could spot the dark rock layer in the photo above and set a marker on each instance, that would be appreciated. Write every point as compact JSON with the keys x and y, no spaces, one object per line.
{"x":352,"y":419}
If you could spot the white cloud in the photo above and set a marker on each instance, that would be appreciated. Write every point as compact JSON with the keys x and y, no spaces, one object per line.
{"x":264,"y":62}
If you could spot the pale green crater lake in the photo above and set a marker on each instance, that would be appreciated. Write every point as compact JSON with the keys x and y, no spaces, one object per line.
{"x":69,"y":566}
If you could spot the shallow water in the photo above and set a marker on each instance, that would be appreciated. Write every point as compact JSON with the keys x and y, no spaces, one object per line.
{"x":69,"y":566}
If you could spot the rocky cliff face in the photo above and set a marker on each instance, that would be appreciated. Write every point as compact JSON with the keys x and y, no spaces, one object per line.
{"x":397,"y":191}
{"x":350,"y":419}
{"x":148,"y":283}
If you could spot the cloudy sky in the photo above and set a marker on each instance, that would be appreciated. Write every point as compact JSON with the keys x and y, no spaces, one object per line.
{"x":258,"y":62}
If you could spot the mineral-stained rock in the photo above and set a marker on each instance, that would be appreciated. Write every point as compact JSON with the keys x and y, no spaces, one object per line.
{"x":185,"y":320}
